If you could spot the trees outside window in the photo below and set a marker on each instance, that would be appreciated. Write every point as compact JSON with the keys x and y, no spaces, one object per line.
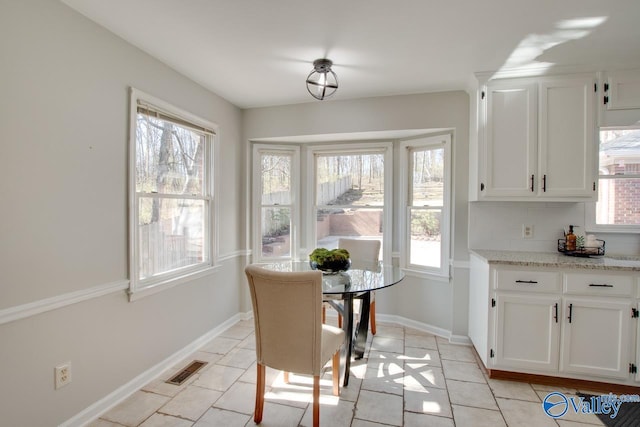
{"x":351,"y":193}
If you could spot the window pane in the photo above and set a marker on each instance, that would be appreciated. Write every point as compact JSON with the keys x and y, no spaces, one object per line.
{"x":619,"y":186}
{"x":276,"y":179}
{"x":355,"y":179}
{"x":620,"y":152}
{"x":427,"y":186}
{"x":618,"y":201}
{"x":331,"y":224}
{"x":171,"y":233}
{"x":425,"y":237}
{"x":276,"y":232}
{"x":169,"y":158}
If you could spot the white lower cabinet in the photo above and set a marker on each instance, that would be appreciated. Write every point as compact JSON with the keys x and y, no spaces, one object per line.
{"x":569,"y":323}
{"x":527,"y":331}
{"x":596,"y":337}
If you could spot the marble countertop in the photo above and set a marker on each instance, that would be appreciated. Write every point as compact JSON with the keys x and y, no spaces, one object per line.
{"x":547,"y":259}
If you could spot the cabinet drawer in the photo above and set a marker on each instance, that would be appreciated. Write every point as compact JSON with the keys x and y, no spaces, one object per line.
{"x":599,"y":284}
{"x":527,"y":280}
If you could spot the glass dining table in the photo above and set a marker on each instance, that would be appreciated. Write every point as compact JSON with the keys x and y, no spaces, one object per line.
{"x":341,"y":289}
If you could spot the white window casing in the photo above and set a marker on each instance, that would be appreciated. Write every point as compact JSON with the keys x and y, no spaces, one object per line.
{"x":436,"y":269}
{"x":175,"y":243}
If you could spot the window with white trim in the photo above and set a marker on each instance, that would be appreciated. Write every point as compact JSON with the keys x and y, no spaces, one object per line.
{"x":618,"y":205}
{"x":352,"y":194}
{"x":171,"y":187}
{"x":426,"y":195}
{"x":275,"y":201}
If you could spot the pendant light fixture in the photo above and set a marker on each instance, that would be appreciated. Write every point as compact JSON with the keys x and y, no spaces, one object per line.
{"x":322,"y":82}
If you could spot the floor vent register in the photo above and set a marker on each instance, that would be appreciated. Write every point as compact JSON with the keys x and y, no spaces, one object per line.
{"x":184,"y":374}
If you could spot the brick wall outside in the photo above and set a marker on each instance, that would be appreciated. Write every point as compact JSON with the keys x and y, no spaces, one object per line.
{"x":625,"y":206}
{"x":363,"y":222}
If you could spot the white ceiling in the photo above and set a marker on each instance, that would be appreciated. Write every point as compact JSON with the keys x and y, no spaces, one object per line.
{"x":258,"y":52}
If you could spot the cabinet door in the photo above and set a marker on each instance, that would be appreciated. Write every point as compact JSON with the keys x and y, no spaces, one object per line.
{"x":511,"y":140}
{"x":619,"y":102}
{"x":596,"y":338}
{"x":623,"y":90}
{"x":567,"y":138}
{"x":527,"y":332}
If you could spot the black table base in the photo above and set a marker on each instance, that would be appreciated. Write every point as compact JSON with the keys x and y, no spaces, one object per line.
{"x":355,"y":337}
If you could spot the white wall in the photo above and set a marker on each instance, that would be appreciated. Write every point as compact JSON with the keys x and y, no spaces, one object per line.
{"x":498,"y":225}
{"x":439,"y":304}
{"x":63,"y":214}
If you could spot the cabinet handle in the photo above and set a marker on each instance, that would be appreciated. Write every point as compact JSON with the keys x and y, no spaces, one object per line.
{"x":532,"y":180}
{"x":570,"y":312}
{"x":555,"y":316}
{"x":603,"y":285}
{"x":528,"y":282}
{"x":544,"y":183}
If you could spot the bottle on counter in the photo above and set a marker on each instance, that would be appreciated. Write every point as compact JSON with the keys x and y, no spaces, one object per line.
{"x":570,"y":244}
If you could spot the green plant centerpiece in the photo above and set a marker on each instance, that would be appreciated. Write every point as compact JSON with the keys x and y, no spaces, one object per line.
{"x":330,"y":260}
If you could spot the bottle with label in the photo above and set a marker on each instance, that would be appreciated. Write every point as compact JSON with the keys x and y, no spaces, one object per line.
{"x":570,"y":240}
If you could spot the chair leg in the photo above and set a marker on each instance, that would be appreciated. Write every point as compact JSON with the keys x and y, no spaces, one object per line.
{"x":372,"y":316}
{"x":316,"y":400}
{"x":339,"y":320}
{"x":257,"y":417}
{"x":335,"y":367}
{"x":286,"y":377}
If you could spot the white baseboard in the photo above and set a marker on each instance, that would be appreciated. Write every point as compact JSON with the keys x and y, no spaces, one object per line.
{"x":111,"y":400}
{"x":103,"y":405}
{"x":435,"y":330}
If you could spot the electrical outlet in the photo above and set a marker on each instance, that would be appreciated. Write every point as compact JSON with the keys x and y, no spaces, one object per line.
{"x":62,"y":375}
{"x":527,"y":231}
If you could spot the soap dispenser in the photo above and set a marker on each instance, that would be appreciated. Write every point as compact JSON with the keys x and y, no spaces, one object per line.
{"x":570,"y":244}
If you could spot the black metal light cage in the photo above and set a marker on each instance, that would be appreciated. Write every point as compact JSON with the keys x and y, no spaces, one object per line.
{"x":322,"y":82}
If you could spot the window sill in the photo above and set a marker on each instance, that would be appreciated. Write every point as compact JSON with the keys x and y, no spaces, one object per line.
{"x":614,"y":229}
{"x":426,"y":275}
{"x":136,"y":294}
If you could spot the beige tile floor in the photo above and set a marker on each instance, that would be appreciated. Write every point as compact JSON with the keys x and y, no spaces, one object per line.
{"x":407,"y":378}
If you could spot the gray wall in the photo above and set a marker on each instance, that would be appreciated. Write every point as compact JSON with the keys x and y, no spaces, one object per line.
{"x":443,"y":305}
{"x":64,"y":110}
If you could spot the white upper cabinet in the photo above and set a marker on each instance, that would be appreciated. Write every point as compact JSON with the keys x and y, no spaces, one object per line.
{"x":567,"y":142}
{"x":511,"y":139}
{"x":536,"y":140}
{"x":619,"y":98}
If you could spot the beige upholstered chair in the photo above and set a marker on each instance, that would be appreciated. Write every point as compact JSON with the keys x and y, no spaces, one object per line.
{"x":289,"y":332}
{"x":365,"y":254}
